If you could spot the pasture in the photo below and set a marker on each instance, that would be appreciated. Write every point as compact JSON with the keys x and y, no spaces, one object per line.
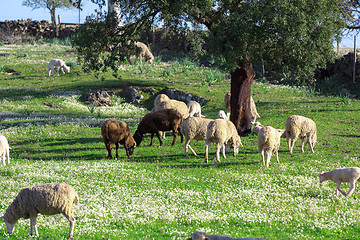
{"x":158,"y":193}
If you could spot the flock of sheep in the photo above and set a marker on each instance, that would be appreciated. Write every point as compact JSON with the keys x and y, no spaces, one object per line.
{"x":168,"y":115}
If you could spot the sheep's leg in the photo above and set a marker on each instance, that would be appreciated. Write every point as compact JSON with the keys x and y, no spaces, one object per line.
{"x":62,"y":70}
{"x":352,"y":187}
{"x":7,"y":156}
{"x":49,"y":72}
{"x":129,"y":60}
{"x":267,"y":157}
{"x":302,"y":144}
{"x":223,"y":150}
{"x":117,"y":150}
{"x":152,"y":139}
{"x":187,"y":145}
{"x":58,"y":68}
{"x":311,"y":144}
{"x":3,"y":158}
{"x":33,"y":227}
{"x":70,"y":216}
{"x":338,"y":189}
{"x":175,"y":133}
{"x":108,"y":148}
{"x":291,"y":144}
{"x":71,"y":227}
{"x":263,"y":157}
{"x":277,"y":157}
{"x":181,"y":135}
{"x":206,"y":152}
{"x":218,"y":146}
{"x":158,"y":136}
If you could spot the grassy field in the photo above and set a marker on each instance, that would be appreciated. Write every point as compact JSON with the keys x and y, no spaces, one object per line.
{"x":158,"y":193}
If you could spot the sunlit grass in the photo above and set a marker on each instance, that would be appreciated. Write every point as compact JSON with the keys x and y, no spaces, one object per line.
{"x":158,"y":193}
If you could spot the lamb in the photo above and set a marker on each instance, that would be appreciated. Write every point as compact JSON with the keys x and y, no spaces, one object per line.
{"x":222,"y":115}
{"x":194,"y":109}
{"x":257,"y":127}
{"x":60,"y":64}
{"x":162,"y":120}
{"x":195,"y":128}
{"x":303,"y":128}
{"x":4,"y":150}
{"x":254,"y":113}
{"x":203,"y":236}
{"x":339,"y":175}
{"x":115,"y":132}
{"x":47,"y":199}
{"x":142,"y":52}
{"x":221,"y":132}
{"x":269,"y":143}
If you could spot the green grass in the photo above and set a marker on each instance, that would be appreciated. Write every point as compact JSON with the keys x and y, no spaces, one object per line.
{"x":157,"y":193}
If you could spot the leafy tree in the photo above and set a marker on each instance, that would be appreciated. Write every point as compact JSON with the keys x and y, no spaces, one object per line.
{"x":51,"y":5}
{"x":291,"y":35}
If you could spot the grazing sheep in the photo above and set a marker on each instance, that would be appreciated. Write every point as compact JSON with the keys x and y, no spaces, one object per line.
{"x":60,"y":64}
{"x":195,"y":128}
{"x":115,"y":132}
{"x":142,"y":52}
{"x":339,"y":175}
{"x":221,"y":132}
{"x":254,"y":113}
{"x":47,"y":199}
{"x":173,"y":104}
{"x":269,"y":143}
{"x":194,"y":109}
{"x":160,"y":98}
{"x":4,"y":150}
{"x":203,"y":236}
{"x":303,"y":128}
{"x":162,"y":120}
{"x":257,"y":127}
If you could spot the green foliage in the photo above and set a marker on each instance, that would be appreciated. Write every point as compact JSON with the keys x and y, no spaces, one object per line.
{"x":212,"y":76}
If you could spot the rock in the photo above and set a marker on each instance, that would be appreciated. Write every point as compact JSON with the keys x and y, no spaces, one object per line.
{"x":99,"y":98}
{"x":184,"y":96}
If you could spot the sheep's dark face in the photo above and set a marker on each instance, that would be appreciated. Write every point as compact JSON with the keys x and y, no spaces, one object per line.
{"x":130,"y":150}
{"x":9,"y":227}
{"x":138,"y":137}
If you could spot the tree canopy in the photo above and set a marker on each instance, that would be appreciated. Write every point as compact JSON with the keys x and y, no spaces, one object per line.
{"x":290,"y":35}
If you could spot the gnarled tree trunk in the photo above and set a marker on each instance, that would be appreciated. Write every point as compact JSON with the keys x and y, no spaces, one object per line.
{"x":240,"y":96}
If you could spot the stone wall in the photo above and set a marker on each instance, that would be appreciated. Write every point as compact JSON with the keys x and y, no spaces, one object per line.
{"x":34,"y":29}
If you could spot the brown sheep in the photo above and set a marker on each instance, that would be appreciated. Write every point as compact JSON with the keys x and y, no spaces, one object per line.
{"x":162,"y":120}
{"x":115,"y":132}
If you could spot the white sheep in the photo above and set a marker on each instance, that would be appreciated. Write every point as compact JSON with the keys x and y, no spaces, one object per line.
{"x":257,"y":127}
{"x":339,"y":175}
{"x":269,"y":143}
{"x":203,"y":236}
{"x":222,"y":132}
{"x":142,"y":52}
{"x":254,"y":113}
{"x":173,"y":104}
{"x":222,"y":115}
{"x":300,"y":127}
{"x":4,"y":150}
{"x":195,"y":128}
{"x":47,"y":199}
{"x":59,"y":64}
{"x":194,"y":109}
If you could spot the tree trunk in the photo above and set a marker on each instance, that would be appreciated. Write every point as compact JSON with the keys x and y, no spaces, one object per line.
{"x":241,"y":80}
{"x":114,"y":7}
{"x":53,"y":20}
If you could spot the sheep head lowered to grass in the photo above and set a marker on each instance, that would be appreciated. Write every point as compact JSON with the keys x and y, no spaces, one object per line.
{"x":162,"y":120}
{"x":115,"y":132}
